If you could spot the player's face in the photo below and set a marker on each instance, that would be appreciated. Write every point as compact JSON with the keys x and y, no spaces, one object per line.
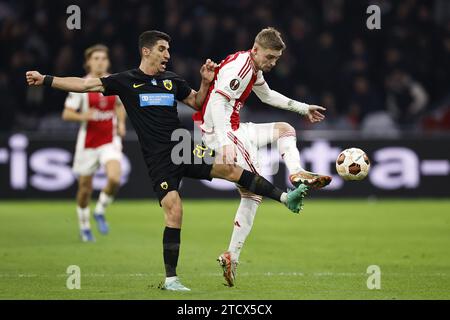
{"x":266,"y":59}
{"x":158,"y":56}
{"x":98,"y":63}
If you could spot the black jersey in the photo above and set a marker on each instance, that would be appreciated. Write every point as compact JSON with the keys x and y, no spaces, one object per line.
{"x":151,"y":105}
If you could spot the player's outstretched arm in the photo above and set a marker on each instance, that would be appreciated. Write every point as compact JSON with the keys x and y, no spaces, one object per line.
{"x":71,"y":84}
{"x":277,"y":100}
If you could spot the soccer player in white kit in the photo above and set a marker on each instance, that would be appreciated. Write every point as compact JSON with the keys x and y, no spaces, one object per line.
{"x":236,"y":76}
{"x":102,"y":124}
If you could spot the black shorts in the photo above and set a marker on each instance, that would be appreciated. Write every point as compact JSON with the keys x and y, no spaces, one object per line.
{"x":166,"y":175}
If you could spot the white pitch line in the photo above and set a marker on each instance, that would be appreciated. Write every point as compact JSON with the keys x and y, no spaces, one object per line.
{"x":215,"y":274}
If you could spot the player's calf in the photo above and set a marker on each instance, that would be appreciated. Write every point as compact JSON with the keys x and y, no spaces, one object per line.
{"x":84,"y":190}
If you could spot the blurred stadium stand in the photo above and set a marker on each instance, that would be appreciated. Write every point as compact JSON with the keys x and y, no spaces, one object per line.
{"x":389,"y":80}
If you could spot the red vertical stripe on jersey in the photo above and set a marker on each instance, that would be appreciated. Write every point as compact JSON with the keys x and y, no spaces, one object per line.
{"x":198,"y":116}
{"x":248,"y":89}
{"x":235,"y":118}
{"x":246,"y":65}
{"x":100,"y":132}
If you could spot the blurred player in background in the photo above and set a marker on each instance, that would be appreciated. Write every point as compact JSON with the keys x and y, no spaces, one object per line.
{"x":235,"y":78}
{"x":102,"y":124}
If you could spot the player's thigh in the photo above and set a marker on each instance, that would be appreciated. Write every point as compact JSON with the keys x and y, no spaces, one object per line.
{"x":86,"y":162}
{"x":263,"y":134}
{"x":200,"y":164}
{"x":246,"y":149}
{"x":110,"y":152}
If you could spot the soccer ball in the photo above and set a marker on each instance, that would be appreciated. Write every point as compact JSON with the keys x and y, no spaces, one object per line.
{"x":353,"y":164}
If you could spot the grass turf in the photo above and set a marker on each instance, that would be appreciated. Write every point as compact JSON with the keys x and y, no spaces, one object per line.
{"x":322,"y":254}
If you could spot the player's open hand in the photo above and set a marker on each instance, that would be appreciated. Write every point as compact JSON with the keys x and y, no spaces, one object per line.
{"x":34,"y":78}
{"x":207,"y":70}
{"x":314,"y":114}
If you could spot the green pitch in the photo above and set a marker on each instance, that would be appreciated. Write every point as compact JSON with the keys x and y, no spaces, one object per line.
{"x":322,"y":254}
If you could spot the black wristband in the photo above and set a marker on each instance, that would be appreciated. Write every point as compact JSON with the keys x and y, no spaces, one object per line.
{"x":48,"y":80}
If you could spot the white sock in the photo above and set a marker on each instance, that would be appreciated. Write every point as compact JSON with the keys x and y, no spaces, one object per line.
{"x":283,"y":197}
{"x":170,"y":279}
{"x":103,"y":201}
{"x":83,"y":218}
{"x":243,"y":223}
{"x":287,"y":147}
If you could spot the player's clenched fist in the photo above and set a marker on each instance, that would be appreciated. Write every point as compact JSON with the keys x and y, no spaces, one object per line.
{"x":34,"y":78}
{"x":207,"y":70}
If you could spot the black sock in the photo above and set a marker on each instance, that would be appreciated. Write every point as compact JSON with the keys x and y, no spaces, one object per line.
{"x":259,"y":185}
{"x":171,"y":245}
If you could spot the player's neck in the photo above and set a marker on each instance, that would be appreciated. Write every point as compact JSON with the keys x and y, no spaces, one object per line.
{"x":149,"y":70}
{"x":252,"y":57}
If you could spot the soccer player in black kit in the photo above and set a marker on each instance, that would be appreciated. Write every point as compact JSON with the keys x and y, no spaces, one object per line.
{"x":149,"y":94}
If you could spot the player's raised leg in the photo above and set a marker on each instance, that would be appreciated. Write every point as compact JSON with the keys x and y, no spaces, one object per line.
{"x":254,"y":183}
{"x":106,"y":197}
{"x":83,"y":196}
{"x":173,"y":212}
{"x":285,"y":136}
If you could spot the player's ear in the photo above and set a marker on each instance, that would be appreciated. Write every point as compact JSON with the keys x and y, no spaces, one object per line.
{"x":145,"y":51}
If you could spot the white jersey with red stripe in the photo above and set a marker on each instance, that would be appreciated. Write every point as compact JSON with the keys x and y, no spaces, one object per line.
{"x":100,"y":131}
{"x":234,"y":79}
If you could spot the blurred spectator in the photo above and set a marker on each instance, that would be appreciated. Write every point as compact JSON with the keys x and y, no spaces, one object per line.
{"x":379,"y":123}
{"x":322,"y":64}
{"x":330,"y":58}
{"x":406,"y":98}
{"x":365,"y":97}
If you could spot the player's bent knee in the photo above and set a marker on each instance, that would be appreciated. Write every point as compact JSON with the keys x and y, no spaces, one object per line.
{"x":284,"y":127}
{"x":232,"y":172}
{"x":173,"y":216}
{"x":171,"y":204}
{"x":225,"y":171}
{"x":114,"y":181}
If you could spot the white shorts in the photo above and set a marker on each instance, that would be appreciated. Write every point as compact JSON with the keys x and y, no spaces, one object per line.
{"x":248,"y":138}
{"x":87,"y":161}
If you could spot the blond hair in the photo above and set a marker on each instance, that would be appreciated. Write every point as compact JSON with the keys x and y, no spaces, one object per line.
{"x":90,"y":51}
{"x":270,"y":38}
